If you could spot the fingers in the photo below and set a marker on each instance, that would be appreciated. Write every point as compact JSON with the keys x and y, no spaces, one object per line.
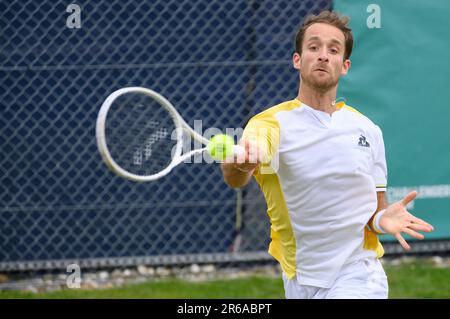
{"x":420,"y":227}
{"x":250,"y":158}
{"x":416,"y":224}
{"x":252,"y":152}
{"x":243,"y":158}
{"x":408,"y":198}
{"x":413,"y":233}
{"x":402,"y":242}
{"x":239,"y":158}
{"x":419,"y":221}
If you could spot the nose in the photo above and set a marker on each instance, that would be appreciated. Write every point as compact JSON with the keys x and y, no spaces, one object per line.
{"x":323,"y":56}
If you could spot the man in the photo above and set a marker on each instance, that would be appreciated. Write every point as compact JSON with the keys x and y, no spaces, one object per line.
{"x":321,"y":166}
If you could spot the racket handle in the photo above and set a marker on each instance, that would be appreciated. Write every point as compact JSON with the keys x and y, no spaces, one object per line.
{"x":238,"y":150}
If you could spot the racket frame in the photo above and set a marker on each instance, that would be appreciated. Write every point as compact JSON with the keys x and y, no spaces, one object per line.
{"x":180,"y":127}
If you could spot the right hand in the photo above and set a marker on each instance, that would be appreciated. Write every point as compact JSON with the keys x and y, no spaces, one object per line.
{"x":250,"y":159}
{"x":237,"y":170}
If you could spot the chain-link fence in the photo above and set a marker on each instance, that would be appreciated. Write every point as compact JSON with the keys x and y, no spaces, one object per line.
{"x":216,"y":61}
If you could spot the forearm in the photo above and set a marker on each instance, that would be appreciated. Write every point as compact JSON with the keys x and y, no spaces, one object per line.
{"x":234,"y":176}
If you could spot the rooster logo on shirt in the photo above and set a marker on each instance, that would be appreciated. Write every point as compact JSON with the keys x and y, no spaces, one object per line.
{"x":363,"y":142}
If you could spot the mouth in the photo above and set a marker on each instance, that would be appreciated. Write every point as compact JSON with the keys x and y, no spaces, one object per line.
{"x":321,"y":70}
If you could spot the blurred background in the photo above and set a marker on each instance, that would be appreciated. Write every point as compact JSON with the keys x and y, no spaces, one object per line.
{"x":217,"y":61}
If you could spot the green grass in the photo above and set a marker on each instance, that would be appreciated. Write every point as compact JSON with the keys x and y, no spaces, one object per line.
{"x":417,"y":280}
{"x":251,"y":287}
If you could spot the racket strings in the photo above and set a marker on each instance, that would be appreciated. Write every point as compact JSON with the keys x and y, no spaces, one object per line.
{"x":139,"y":134}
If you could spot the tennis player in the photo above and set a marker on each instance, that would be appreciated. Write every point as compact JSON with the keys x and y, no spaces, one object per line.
{"x":321,"y":166}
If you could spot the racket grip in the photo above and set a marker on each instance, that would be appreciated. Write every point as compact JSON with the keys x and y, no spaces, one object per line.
{"x":238,"y":150}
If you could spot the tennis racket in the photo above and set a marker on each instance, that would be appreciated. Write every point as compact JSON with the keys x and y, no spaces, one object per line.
{"x":140,"y":135}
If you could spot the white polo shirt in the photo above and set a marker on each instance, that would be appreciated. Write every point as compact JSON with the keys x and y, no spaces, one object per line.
{"x":320,"y":185}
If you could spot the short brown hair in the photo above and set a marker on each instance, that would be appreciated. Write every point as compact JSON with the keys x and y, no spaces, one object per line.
{"x":331,"y":18}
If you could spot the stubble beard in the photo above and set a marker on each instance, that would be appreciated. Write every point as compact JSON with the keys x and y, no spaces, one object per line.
{"x":321,"y":85}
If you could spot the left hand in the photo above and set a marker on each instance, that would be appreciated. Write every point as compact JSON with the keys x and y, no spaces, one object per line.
{"x":396,"y":220}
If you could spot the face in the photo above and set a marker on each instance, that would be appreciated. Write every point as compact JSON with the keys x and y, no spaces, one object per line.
{"x":322,"y":60}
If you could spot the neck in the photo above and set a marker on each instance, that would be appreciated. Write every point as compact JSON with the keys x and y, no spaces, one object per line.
{"x":321,"y":101}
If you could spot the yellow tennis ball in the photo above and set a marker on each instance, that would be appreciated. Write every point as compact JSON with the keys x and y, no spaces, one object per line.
{"x":220,"y":146}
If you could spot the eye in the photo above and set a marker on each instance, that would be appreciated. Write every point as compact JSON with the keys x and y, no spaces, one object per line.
{"x":334,"y":51}
{"x":313,"y":48}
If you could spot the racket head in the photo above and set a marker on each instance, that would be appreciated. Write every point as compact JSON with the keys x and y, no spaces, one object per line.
{"x":139,"y":134}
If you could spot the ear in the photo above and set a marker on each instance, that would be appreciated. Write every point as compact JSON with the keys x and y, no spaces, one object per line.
{"x":345,"y":67}
{"x":296,"y":61}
